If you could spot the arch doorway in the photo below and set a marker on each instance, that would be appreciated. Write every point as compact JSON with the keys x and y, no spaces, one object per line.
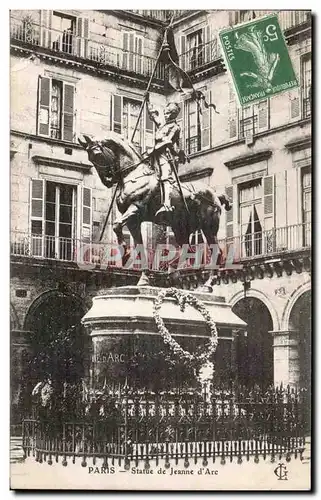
{"x":254,"y":351}
{"x":300,"y":321}
{"x":57,"y":340}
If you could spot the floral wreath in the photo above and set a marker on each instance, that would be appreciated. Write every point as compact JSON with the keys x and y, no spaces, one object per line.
{"x":182,"y":299}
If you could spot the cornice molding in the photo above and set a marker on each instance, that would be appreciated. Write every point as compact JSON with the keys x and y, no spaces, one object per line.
{"x":196,"y":174}
{"x":248,"y":159}
{"x":299,"y":143}
{"x":57,"y":162}
{"x":87,"y":65}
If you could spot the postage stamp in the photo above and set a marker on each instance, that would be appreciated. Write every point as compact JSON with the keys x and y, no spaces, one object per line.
{"x":160,"y":250}
{"x":258,"y":59}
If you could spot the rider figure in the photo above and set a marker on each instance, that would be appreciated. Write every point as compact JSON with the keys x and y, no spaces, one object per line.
{"x":165,"y":151}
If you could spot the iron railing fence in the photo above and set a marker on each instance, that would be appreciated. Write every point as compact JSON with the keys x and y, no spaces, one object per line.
{"x":200,"y":55}
{"x":74,"y":45}
{"x":306,"y":102}
{"x":249,"y":126}
{"x":70,"y":43}
{"x":287,"y":18}
{"x":248,"y":246}
{"x":143,"y":426}
{"x":269,"y":242}
{"x":193,"y":144}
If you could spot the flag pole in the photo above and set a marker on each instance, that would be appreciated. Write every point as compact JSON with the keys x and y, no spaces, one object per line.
{"x":135,"y":129}
{"x":150,"y":81}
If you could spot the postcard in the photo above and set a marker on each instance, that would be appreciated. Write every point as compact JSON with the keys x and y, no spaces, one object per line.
{"x":160,"y":248}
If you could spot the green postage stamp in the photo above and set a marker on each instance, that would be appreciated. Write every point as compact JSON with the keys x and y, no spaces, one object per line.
{"x":258,"y":59}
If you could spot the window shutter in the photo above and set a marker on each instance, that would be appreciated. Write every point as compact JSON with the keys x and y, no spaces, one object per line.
{"x":86,"y":35}
{"x":183,"y":49}
{"x":263,"y":115}
{"x":131,"y":52}
{"x":229,"y":215}
{"x":37,"y":187}
{"x":44,"y":88}
{"x":68,"y":112}
{"x":206,"y":123}
{"x":125,"y":50}
{"x":116,"y":113}
{"x":46,"y":23}
{"x":207,"y":46}
{"x":149,"y":129}
{"x":268,"y":201}
{"x":139,"y":53}
{"x":79,"y":36}
{"x":232,"y":113}
{"x":180,"y":122}
{"x":294,"y":104}
{"x":86,"y":214}
{"x":82,"y":32}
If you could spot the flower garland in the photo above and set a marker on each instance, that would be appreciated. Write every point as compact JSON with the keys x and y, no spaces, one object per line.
{"x":182,"y":299}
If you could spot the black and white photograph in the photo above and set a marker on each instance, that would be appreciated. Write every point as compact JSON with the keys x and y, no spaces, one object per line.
{"x":160,"y":250}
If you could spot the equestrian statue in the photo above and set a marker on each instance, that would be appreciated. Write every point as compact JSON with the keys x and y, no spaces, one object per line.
{"x":148,"y":186}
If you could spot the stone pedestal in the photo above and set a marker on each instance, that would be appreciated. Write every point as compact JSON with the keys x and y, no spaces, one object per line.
{"x":122,"y":328}
{"x":286,"y":357}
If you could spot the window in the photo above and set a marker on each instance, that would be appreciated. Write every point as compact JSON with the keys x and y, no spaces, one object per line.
{"x":254,"y":119}
{"x":194,"y":43}
{"x":125,"y":112}
{"x":132,"y":52}
{"x":197,"y":49}
{"x":56,"y":109}
{"x":251,"y":218}
{"x":300,"y":100}
{"x":194,"y":135}
{"x":306,"y":86}
{"x":54,"y":212}
{"x":63,"y":33}
{"x":245,"y":122}
{"x":306,"y":206}
{"x":197,"y":128}
{"x":251,"y":221}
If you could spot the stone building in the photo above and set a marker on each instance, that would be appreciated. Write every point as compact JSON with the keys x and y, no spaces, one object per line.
{"x":85,"y":72}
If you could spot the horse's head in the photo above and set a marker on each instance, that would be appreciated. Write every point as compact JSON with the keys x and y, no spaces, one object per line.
{"x":99,"y":154}
{"x":110,"y":154}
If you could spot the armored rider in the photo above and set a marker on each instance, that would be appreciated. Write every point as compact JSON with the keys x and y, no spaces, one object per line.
{"x":166,"y":150}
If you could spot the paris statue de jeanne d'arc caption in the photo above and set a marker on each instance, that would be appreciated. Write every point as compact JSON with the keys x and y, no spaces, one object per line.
{"x":160,"y":250}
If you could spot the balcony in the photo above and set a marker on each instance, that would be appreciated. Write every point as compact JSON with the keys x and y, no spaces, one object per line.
{"x":248,"y":126}
{"x":251,"y":246}
{"x":270,"y":242}
{"x":160,"y":15}
{"x":306,"y":103}
{"x":71,"y":45}
{"x":200,"y":56}
{"x":287,"y":18}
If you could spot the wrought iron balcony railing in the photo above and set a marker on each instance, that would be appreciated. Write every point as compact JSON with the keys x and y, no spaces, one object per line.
{"x":193,"y":144}
{"x":287,"y":18}
{"x":248,"y":126}
{"x":201,"y":55}
{"x":249,"y":246}
{"x":71,"y":44}
{"x":306,"y":107}
{"x":272,"y":241}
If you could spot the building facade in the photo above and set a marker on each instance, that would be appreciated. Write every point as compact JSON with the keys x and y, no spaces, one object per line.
{"x":86,"y":72}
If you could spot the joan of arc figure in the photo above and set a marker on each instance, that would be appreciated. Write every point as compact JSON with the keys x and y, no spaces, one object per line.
{"x":166,"y":151}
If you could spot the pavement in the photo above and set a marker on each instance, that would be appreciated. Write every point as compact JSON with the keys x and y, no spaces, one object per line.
{"x":265,"y":475}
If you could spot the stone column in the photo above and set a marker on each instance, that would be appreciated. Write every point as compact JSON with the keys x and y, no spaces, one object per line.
{"x":286,"y":357}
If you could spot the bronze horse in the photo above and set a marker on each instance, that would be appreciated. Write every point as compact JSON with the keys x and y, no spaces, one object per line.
{"x":139,"y":196}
